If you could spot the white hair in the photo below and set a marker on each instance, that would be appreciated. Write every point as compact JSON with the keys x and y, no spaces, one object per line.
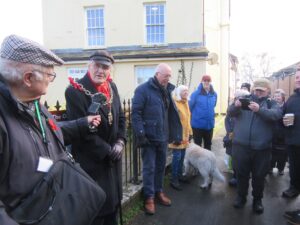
{"x":13,"y":71}
{"x":178,"y":91}
{"x":241,"y":93}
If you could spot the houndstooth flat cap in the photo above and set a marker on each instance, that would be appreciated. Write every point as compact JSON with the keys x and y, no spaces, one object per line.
{"x":23,"y":50}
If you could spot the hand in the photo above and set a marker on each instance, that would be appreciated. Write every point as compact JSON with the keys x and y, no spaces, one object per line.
{"x":237,"y":103}
{"x":94,"y":120}
{"x":116,"y":151}
{"x":254,"y":107}
{"x":142,"y":141}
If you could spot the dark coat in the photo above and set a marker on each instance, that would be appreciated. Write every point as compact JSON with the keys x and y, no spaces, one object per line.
{"x":149,"y":117}
{"x":21,"y":145}
{"x":254,"y":129}
{"x":278,"y":140}
{"x":93,"y":150}
{"x":292,"y":105}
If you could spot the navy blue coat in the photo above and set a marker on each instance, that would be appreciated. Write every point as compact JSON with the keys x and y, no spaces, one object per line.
{"x":148,"y":114}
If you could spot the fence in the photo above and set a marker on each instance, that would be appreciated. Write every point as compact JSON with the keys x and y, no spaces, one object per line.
{"x":131,"y":164}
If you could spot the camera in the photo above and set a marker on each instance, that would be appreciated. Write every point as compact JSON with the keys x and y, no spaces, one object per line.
{"x":245,"y":101}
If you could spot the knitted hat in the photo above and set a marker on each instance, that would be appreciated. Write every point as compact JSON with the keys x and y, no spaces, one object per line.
{"x":206,"y":78}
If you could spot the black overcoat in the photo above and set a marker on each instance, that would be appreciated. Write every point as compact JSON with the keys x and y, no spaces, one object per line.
{"x":92,"y":151}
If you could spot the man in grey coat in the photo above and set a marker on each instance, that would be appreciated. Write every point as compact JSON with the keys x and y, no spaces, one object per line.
{"x":252,"y":139}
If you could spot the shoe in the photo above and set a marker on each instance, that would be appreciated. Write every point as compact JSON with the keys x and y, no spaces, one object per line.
{"x":280,"y":172}
{"x":239,"y":202}
{"x":294,"y":218}
{"x":163,"y":199}
{"x":184,"y":179}
{"x":176,"y":185}
{"x":290,"y":193}
{"x":149,"y":206}
{"x":232,"y":182}
{"x":290,"y":214}
{"x":257,"y":206}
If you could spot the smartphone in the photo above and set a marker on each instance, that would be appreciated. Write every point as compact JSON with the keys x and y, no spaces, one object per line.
{"x":94,"y":108}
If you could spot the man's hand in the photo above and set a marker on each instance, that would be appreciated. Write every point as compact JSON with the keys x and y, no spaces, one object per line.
{"x":254,"y":107}
{"x":237,"y":103}
{"x":116,"y":151}
{"x":94,"y":120}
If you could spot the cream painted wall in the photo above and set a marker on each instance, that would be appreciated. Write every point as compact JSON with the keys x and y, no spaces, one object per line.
{"x":64,"y":22}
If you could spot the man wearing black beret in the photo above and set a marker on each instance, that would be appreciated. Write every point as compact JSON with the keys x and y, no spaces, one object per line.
{"x":100,"y":152}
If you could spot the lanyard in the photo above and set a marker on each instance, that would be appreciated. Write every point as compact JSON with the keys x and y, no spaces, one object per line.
{"x":38,"y":115}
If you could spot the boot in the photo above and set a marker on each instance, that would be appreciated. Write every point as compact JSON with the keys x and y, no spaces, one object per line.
{"x":163,"y":199}
{"x":149,"y":206}
{"x":176,"y":185}
{"x":239,"y":202}
{"x":257,"y":206}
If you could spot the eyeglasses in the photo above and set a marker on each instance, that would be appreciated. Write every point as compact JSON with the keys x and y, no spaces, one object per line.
{"x":51,"y":76}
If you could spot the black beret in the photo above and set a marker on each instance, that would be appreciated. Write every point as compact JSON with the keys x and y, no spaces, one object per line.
{"x":102,"y":57}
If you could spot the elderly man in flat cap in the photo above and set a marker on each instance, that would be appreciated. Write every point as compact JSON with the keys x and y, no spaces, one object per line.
{"x":251,"y":144}
{"x":100,"y":153}
{"x":30,"y":140}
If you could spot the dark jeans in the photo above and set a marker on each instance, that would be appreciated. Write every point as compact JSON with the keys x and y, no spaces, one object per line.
{"x":256,"y":162}
{"x":154,"y":162}
{"x":110,"y":219}
{"x":294,"y":163}
{"x":279,"y":158}
{"x":206,"y":135}
{"x":177,"y":163}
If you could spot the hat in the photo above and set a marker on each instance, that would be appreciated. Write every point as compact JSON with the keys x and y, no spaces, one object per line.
{"x":102,"y":57}
{"x":246,"y":85}
{"x":23,"y":50}
{"x":206,"y":78}
{"x":262,"y":84}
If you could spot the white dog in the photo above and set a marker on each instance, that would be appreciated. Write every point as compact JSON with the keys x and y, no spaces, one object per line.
{"x":204,"y":161}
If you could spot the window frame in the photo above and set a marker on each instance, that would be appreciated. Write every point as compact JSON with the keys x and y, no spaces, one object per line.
{"x":101,"y":45}
{"x":136,"y":67}
{"x":158,"y":24}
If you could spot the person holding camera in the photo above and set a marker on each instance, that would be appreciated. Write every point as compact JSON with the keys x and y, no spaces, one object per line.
{"x":251,"y":144}
{"x":100,"y":152}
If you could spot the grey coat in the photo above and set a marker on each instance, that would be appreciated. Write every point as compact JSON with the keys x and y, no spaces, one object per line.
{"x":254,"y":129}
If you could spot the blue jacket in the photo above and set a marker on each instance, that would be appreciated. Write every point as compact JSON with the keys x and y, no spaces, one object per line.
{"x":202,"y":106}
{"x":148,"y":114}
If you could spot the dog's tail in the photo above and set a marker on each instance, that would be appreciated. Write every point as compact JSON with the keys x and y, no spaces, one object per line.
{"x":218,"y":175}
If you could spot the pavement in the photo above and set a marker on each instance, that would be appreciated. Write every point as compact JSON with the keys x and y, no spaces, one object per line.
{"x":194,"y":206}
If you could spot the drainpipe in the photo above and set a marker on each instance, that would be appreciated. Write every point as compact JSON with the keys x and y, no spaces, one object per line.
{"x":203,"y":18}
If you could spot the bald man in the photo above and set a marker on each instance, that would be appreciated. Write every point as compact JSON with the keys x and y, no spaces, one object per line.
{"x":156,"y":123}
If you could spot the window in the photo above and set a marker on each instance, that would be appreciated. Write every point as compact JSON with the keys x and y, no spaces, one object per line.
{"x":155,"y":23}
{"x":95,"y":27}
{"x":143,"y":73}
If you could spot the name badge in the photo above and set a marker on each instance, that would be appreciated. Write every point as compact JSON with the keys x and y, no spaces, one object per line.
{"x":44,"y":164}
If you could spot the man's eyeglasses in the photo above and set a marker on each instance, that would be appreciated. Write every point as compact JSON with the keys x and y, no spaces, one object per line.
{"x":51,"y":76}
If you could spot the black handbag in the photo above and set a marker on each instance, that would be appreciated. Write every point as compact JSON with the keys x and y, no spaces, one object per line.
{"x":65,"y":196}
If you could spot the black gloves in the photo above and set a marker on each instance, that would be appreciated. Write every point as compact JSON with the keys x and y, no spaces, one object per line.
{"x":142,"y":141}
{"x":117,"y":149}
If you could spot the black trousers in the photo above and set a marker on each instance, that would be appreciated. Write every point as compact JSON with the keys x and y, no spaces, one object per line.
{"x":256,"y":162}
{"x":294,"y":163}
{"x":279,"y":158}
{"x":206,"y":135}
{"x":110,"y":219}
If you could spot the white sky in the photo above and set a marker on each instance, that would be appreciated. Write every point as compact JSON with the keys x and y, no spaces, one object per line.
{"x":256,"y":26}
{"x":266,"y":26}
